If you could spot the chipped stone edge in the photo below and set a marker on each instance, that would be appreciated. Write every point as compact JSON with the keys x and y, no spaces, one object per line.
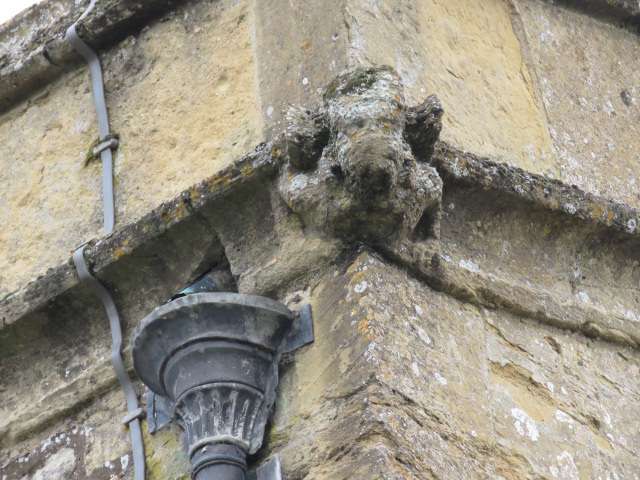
{"x":46,"y":56}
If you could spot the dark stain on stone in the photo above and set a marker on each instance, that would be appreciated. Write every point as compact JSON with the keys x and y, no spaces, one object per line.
{"x":24,"y":466}
{"x":626,"y":97}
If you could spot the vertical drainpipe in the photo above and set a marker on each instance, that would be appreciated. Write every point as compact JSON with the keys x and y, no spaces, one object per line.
{"x":132,"y":419}
{"x":103,"y":120}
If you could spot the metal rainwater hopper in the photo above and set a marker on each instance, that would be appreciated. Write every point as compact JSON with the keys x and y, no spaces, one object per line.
{"x":214,"y":356}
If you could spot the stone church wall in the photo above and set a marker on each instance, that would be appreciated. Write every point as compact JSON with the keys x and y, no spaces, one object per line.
{"x":475,"y":295}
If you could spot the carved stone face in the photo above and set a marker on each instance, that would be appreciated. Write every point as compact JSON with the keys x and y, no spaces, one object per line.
{"x":349,"y":170}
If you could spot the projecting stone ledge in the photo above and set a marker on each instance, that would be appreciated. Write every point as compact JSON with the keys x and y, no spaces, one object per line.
{"x":463,"y":168}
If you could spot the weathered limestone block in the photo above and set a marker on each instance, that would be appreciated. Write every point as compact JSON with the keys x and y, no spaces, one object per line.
{"x":425,"y":386}
{"x":404,"y":382}
{"x":94,"y":445}
{"x":468,"y":53}
{"x":299,"y":47}
{"x":587,"y":75}
{"x":87,"y":444}
{"x":365,"y":184}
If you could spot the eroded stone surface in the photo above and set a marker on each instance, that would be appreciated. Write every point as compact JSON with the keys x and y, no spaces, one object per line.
{"x":436,"y":388}
{"x":588,"y":74}
{"x":299,"y":48}
{"x":365,"y":184}
{"x":402,"y":381}
{"x":94,"y":445}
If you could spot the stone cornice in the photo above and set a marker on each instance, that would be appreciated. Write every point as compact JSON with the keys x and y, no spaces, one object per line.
{"x":464,"y":168}
{"x":188,"y":212}
{"x":181,"y":213}
{"x":38,"y":53}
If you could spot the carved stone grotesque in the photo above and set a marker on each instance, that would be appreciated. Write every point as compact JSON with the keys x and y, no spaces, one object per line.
{"x":349,"y":169}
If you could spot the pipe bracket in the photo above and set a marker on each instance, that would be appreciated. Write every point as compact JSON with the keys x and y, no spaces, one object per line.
{"x":133,"y":415}
{"x":271,"y":470}
{"x":159,"y":411}
{"x":112,"y":143}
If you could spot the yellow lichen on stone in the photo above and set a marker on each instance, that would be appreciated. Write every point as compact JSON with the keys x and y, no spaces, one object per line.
{"x":363,"y":328}
{"x":165,"y":455}
{"x":195,"y":193}
{"x":179,"y":213}
{"x":610,"y":215}
{"x":165,"y":215}
{"x":598,"y":210}
{"x":246,"y":171}
{"x":217,"y":180}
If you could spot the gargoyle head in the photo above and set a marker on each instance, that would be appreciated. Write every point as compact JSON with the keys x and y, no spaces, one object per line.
{"x":349,"y":169}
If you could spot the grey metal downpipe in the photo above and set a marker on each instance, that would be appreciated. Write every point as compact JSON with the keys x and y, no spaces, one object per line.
{"x":104,"y":148}
{"x":219,"y":462}
{"x":103,"y":120}
{"x":135,"y":412}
